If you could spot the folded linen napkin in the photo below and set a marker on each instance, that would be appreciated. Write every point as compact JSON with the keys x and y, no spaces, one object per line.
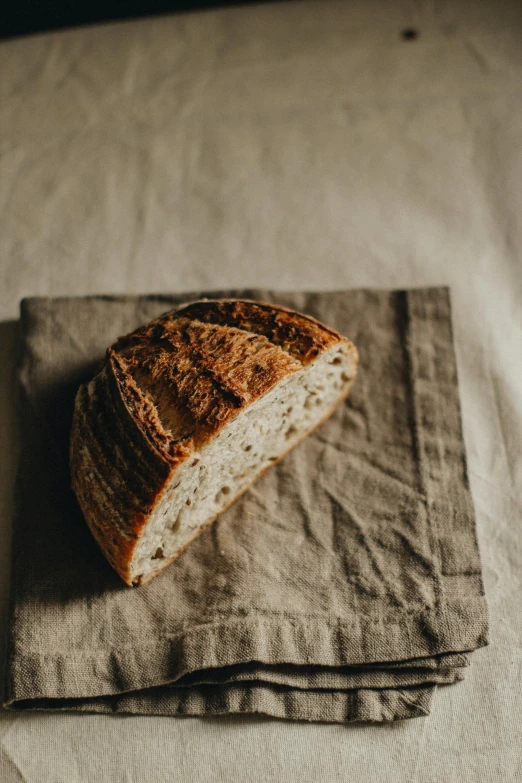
{"x":344,"y":585}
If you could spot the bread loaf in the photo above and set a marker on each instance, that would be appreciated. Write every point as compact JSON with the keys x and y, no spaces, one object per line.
{"x":186,"y":412}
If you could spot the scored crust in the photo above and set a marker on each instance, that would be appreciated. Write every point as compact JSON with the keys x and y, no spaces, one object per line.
{"x":167,"y":389}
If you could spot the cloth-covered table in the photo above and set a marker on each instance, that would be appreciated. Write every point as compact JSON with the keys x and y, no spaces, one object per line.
{"x":297,"y":145}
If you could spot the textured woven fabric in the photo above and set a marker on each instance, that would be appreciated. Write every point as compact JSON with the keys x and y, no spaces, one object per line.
{"x":344,"y":585}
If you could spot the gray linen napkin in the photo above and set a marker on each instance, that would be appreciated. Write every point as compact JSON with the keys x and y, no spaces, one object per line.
{"x":344,"y":585}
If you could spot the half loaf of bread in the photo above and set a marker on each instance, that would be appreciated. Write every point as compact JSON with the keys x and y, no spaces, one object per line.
{"x":187,"y":411}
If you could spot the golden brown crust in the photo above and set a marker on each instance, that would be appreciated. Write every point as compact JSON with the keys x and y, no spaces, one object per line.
{"x":167,"y":389}
{"x":300,"y":335}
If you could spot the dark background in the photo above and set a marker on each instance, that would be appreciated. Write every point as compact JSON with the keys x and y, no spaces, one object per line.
{"x":20,"y":17}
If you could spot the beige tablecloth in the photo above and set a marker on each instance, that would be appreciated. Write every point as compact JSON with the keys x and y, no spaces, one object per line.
{"x":294,"y":145}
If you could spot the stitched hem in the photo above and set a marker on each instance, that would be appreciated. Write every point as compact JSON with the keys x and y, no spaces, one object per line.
{"x":80,"y":674}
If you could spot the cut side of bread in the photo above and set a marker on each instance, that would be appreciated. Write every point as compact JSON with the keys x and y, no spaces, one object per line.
{"x":249,"y":444}
{"x":188,"y":412}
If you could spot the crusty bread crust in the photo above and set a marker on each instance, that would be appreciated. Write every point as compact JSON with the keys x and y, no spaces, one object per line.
{"x":167,"y":389}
